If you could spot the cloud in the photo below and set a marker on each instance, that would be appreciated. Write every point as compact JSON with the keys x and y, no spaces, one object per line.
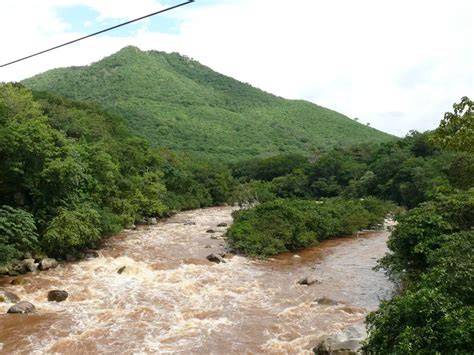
{"x":366,"y":59}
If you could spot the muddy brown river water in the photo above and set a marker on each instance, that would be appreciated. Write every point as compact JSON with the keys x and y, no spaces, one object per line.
{"x":170,"y":299}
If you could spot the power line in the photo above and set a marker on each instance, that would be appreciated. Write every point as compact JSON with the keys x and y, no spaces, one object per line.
{"x":97,"y":33}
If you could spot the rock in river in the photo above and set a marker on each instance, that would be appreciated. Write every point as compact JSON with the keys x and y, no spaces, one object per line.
{"x":223,"y":224}
{"x":215,"y":258}
{"x":22,"y":307}
{"x":48,"y":263}
{"x":18,"y":281}
{"x":308,"y":281}
{"x":344,"y":342}
{"x":26,"y":265}
{"x":6,"y":296}
{"x":90,"y":254}
{"x":324,"y":301}
{"x":57,"y":295}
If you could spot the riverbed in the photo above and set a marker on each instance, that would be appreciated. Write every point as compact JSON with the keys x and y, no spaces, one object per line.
{"x":171,"y":299}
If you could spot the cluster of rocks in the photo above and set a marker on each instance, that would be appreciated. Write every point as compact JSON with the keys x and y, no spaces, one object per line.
{"x":217,"y":257}
{"x":32,"y":264}
{"x":25,"y":307}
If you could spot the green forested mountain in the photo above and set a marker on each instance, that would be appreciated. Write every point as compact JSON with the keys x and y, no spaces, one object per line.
{"x":177,"y":103}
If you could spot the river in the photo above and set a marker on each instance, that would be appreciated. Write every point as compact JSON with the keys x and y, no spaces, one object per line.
{"x":170,"y":299}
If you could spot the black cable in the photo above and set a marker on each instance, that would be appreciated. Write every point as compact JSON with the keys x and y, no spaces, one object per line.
{"x":99,"y":32}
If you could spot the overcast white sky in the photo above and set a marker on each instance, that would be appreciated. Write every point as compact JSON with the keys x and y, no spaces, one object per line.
{"x":396,"y":64}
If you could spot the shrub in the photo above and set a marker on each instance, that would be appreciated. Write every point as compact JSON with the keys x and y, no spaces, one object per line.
{"x":435,"y":315}
{"x":76,"y":228}
{"x":281,"y":225}
{"x":17,"y":233}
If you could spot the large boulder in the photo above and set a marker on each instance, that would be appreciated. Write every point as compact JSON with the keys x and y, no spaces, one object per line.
{"x":345,"y":342}
{"x":7,"y":296}
{"x":22,"y":307}
{"x":222,"y":224}
{"x":215,"y":258}
{"x":48,"y":263}
{"x":24,"y":266}
{"x":152,"y":220}
{"x":30,"y":264}
{"x":57,"y":295}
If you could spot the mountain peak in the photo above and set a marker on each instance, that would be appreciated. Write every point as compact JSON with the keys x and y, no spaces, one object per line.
{"x":129,"y":49}
{"x":178,"y":103}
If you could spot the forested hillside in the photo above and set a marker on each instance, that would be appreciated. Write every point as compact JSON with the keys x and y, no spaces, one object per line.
{"x":177,"y":103}
{"x":71,"y":173}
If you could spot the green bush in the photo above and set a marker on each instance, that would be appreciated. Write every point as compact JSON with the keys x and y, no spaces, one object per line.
{"x":281,"y":225}
{"x":17,"y":233}
{"x":72,"y":228}
{"x":254,"y":191}
{"x":420,"y":231}
{"x":423,"y":321}
{"x":436,"y":314}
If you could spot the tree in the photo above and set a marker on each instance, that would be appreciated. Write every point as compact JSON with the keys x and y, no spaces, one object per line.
{"x":17,"y":233}
{"x":456,"y":130}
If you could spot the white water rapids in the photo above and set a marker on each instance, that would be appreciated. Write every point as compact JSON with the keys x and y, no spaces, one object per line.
{"x":170,"y":299}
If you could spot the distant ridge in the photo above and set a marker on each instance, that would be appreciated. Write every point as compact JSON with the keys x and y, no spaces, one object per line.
{"x":177,"y":103}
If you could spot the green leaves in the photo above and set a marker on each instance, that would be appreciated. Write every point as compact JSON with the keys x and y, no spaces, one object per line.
{"x":456,"y":130}
{"x":17,"y":233}
{"x":72,"y":228}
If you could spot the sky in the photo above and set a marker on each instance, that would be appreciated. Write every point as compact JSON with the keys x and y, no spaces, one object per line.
{"x":398,"y":65}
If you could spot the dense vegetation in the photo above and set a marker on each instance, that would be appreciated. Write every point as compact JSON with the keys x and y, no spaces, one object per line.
{"x":407,"y":172}
{"x":432,"y":257}
{"x":71,"y":173}
{"x":176,"y":103}
{"x":432,"y":253}
{"x":285,"y":225}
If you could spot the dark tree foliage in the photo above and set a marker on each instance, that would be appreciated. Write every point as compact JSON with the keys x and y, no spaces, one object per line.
{"x":267,"y":169}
